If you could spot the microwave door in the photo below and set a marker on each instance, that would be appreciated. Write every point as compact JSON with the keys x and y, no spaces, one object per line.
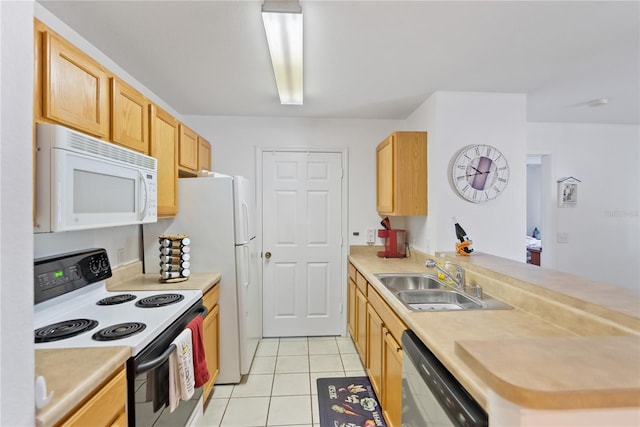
{"x":93,"y":193}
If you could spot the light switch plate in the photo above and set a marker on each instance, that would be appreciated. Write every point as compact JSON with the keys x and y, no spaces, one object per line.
{"x":563,"y":237}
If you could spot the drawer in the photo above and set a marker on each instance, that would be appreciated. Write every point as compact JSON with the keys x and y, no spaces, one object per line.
{"x":352,"y":272}
{"x":361,"y":282}
{"x":389,"y":318}
{"x":105,"y":407}
{"x":211,"y":297}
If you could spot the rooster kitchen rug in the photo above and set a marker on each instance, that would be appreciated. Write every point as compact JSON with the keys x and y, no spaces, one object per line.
{"x":348,"y":402}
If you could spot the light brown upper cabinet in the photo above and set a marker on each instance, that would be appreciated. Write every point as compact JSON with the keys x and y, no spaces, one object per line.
{"x":129,"y":117}
{"x":75,"y":87}
{"x":204,"y":154}
{"x":164,"y":147}
{"x":188,"y":157}
{"x":401,"y":174}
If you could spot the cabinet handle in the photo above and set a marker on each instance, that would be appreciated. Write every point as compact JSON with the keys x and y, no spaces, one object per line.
{"x":387,"y":333}
{"x":398,"y":350}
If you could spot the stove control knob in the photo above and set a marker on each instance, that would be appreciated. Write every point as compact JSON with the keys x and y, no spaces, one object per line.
{"x":94,"y":266}
{"x":104,"y":264}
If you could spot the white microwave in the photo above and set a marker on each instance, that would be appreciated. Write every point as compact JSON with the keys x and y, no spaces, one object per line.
{"x":83,"y":182}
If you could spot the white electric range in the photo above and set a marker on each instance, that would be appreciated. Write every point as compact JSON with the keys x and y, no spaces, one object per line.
{"x":73,"y":309}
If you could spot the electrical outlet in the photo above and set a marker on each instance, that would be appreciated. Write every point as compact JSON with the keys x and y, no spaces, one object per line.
{"x":563,"y":237}
{"x":371,"y":236}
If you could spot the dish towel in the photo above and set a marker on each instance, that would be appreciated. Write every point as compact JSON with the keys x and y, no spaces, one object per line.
{"x":181,"y":370}
{"x":201,"y":371}
{"x":157,"y":386}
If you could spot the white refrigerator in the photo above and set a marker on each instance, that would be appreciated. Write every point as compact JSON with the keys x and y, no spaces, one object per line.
{"x":218,"y":214}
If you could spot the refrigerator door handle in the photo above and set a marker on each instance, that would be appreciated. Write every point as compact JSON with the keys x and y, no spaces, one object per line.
{"x":246,"y":265}
{"x":245,"y":219}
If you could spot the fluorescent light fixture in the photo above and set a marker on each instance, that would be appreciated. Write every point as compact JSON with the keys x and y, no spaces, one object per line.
{"x":283,"y":26}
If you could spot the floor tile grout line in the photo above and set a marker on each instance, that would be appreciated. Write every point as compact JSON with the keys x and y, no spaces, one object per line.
{"x":274,"y":372}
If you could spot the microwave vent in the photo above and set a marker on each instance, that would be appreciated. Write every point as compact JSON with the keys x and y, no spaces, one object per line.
{"x":87,"y":145}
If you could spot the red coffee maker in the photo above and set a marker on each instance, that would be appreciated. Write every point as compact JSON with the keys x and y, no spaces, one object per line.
{"x":394,"y":243}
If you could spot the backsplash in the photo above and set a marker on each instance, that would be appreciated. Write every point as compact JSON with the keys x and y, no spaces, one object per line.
{"x":122,"y":243}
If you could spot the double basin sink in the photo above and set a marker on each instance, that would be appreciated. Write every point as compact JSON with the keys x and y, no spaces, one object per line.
{"x":425,"y":292}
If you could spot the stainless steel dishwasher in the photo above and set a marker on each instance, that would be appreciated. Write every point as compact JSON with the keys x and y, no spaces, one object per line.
{"x":431,"y":396}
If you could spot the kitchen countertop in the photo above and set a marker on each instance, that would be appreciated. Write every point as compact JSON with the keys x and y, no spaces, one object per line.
{"x":75,"y":373}
{"x":131,"y":278}
{"x":87,"y":369}
{"x":546,"y":353}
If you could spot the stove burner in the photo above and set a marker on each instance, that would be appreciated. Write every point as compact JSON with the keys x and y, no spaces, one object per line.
{"x":159,"y":300}
{"x":63,"y":330}
{"x":119,"y":331}
{"x":116,"y":299}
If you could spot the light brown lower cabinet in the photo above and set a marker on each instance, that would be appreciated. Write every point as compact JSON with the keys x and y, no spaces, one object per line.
{"x":211,"y":330}
{"x":392,"y":381}
{"x":106,"y":408}
{"x":361,"y":325}
{"x":375,"y":348}
{"x":378,"y":332}
{"x":351,"y":307}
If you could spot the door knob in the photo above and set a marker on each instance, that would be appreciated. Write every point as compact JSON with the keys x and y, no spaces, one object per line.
{"x":267,"y":255}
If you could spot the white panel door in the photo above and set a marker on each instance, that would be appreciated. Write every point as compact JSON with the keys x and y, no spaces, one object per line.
{"x":302,"y":211}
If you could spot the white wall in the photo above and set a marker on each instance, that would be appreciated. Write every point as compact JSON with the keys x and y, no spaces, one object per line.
{"x":604,"y":227}
{"x":16,"y":245}
{"x":234,"y":141}
{"x":455,"y":120}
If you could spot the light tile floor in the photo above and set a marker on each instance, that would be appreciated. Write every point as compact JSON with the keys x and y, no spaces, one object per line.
{"x":280,"y":389}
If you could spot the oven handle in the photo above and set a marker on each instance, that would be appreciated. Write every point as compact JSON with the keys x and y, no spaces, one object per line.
{"x":154,"y":363}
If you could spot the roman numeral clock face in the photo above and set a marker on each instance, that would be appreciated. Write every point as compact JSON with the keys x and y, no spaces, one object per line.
{"x":480,"y":173}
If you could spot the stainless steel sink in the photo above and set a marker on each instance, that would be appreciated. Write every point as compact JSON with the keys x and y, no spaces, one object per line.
{"x":438,"y":300}
{"x":448,"y":299}
{"x":410,"y":281}
{"x":425,"y":292}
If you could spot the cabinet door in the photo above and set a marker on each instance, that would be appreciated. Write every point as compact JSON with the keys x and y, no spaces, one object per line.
{"x":164,"y":147}
{"x":385,"y":175}
{"x":410,"y":173}
{"x":75,"y":88}
{"x":121,"y":421}
{"x":392,"y":380}
{"x":211,"y":347}
{"x":351,"y":308}
{"x":129,"y":117}
{"x":375,"y":342}
{"x":361,"y":325}
{"x":105,"y":407}
{"x":204,"y":154}
{"x":188,"y":143}
{"x":401,"y":174}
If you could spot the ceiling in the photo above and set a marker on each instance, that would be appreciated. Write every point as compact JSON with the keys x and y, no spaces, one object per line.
{"x":376,"y":59}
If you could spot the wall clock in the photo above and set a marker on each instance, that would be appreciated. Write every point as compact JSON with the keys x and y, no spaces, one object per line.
{"x":480,"y":173}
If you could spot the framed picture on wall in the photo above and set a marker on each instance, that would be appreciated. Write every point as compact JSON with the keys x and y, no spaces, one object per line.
{"x":568,"y":192}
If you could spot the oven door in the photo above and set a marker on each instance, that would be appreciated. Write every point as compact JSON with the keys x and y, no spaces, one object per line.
{"x":431,"y":396}
{"x":148,"y":379}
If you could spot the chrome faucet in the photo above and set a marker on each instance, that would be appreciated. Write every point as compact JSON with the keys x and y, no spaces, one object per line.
{"x":459,"y":278}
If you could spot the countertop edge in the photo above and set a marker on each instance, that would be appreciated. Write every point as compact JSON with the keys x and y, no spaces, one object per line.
{"x":68,"y":394}
{"x":535,"y":398}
